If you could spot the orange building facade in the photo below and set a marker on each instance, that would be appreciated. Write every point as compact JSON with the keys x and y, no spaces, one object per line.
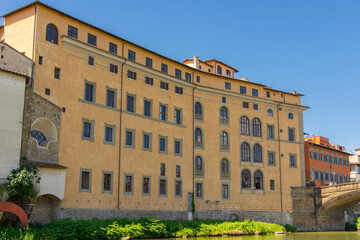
{"x":325,"y":164}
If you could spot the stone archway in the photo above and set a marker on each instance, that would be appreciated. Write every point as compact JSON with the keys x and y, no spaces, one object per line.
{"x":45,"y":209}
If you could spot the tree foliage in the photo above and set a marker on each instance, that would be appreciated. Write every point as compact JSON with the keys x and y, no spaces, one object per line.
{"x":21,"y":181}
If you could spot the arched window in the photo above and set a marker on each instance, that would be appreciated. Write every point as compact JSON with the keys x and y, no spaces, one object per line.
{"x":223,"y":115}
{"x":245,"y":179}
{"x":257,"y":153}
{"x":256,"y":126}
{"x":245,"y":152}
{"x":51,"y":33}
{"x":317,"y":155}
{"x":327,"y":158}
{"x":39,"y":136}
{"x":337,"y":160}
{"x":258,"y":180}
{"x":224,"y":139}
{"x":198,"y":163}
{"x":270,"y":112}
{"x":43,"y":131}
{"x":341,"y":161}
{"x":198,"y":111}
{"x":312,"y":154}
{"x":322,"y":157}
{"x":198,"y":137}
{"x":219,"y":70}
{"x":291,"y":116}
{"x":224,"y":168}
{"x":244,"y":126}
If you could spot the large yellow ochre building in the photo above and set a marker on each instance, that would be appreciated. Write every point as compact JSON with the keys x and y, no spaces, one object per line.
{"x":145,"y":135}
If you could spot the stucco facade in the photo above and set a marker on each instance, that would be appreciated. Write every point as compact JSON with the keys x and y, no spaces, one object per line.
{"x":137,"y":124}
{"x":354,"y":160}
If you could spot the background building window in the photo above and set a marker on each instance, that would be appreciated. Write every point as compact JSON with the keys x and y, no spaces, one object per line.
{"x":162,"y":187}
{"x":51,"y":34}
{"x":57,"y":73}
{"x":227,"y":85}
{"x":290,"y":116}
{"x":113,"y":68}
{"x":242,"y":90}
{"x":271,"y":158}
{"x":198,"y":190}
{"x":91,"y":39}
{"x":270,"y":112}
{"x":164,"y":68}
{"x":178,"y":171}
{"x":148,"y":62}
{"x":219,"y":70}
{"x":187,"y":77}
{"x":177,"y":73}
{"x":224,"y":168}
{"x":244,"y":126}
{"x":245,"y":179}
{"x":225,"y":191}
{"x":131,"y":75}
{"x":291,"y":134}
{"x":91,"y":61}
{"x":245,"y":152}
{"x":178,"y":188}
{"x":72,"y":32}
{"x":198,"y":111}
{"x":255,"y":92}
{"x":147,"y":108}
{"x":107,"y":182}
{"x":113,"y":48}
{"x":131,"y":55}
{"x":270,"y":131}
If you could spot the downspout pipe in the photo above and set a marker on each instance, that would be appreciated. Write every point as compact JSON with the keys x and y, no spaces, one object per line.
{"x":120,"y":122}
{"x":279,"y":145}
{"x":193,"y":138}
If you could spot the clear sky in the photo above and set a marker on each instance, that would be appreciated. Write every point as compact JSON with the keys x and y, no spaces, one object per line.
{"x":311,"y":46}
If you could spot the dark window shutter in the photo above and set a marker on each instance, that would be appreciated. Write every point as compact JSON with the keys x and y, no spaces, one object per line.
{"x":135,"y":75}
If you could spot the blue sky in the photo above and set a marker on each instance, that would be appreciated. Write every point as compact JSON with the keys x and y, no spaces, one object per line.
{"x":309,"y":46}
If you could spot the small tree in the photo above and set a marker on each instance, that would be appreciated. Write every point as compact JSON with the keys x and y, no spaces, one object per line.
{"x":21,"y":181}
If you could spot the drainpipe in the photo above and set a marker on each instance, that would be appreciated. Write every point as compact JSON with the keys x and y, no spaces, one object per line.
{"x":193,"y":142}
{"x":120,"y":122}
{"x":279,"y":143}
{"x":32,"y":85}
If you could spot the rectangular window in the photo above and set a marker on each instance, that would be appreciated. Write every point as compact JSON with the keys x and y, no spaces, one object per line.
{"x":108,"y":134}
{"x":177,"y":116}
{"x":88,"y":130}
{"x":267,"y":94}
{"x":72,"y":32}
{"x":162,"y":187}
{"x":47,"y":91}
{"x":110,"y":98}
{"x":85,"y":180}
{"x":91,"y":39}
{"x":177,"y":147}
{"x":57,"y":73}
{"x":291,"y":134}
{"x":146,"y":141}
{"x":162,"y":169}
{"x":147,"y":108}
{"x":272,"y":184}
{"x":130,"y":103}
{"x":256,"y":107}
{"x":198,"y":79}
{"x":40,"y":60}
{"x":178,"y":171}
{"x":148,"y":62}
{"x":225,"y":191}
{"x":163,"y":112}
{"x":113,"y":68}
{"x":187,"y":77}
{"x":162,"y":144}
{"x":164,"y":68}
{"x":178,"y":90}
{"x":131,"y":55}
{"x":199,"y":190}
{"x":146,"y":185}
{"x":113,"y":48}
{"x":177,"y":73}
{"x":223,"y":99}
{"x":149,"y":81}
{"x":245,"y":105}
{"x":271,"y":158}
{"x":242,"y":90}
{"x":164,"y":85}
{"x":292,"y":158}
{"x":227,"y":85}
{"x":89,"y":92}
{"x":107,"y":182}
{"x":131,"y":75}
{"x":270,"y":131}
{"x":91,"y":61}
{"x":128,"y":184}
{"x":255,"y":92}
{"x":130,"y":138}
{"x":178,"y":188}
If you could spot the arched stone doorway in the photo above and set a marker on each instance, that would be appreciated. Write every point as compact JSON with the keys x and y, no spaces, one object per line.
{"x":45,"y":209}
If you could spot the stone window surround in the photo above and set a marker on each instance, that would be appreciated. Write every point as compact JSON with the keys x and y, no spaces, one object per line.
{"x":93,"y":91}
{"x":142,"y":188}
{"x":132,"y":183}
{"x":113,"y":141}
{"x":134,"y":105}
{"x":181,"y":147}
{"x":202,"y":190}
{"x":150,"y":141}
{"x":80,"y":179}
{"x":166,"y":187}
{"x":295,"y":157}
{"x":178,"y":180}
{"x":133,"y":138}
{"x":151,"y":107}
{"x":111,"y":182}
{"x":166,"y":144}
{"x":181,"y":114}
{"x":92,"y":124}
{"x":222,"y":176}
{"x":227,"y":184}
{"x":115,"y":96}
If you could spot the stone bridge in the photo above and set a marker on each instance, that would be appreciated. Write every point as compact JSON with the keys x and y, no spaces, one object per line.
{"x":322,"y":209}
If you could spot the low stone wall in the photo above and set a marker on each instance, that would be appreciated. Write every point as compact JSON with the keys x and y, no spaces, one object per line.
{"x":84,"y":213}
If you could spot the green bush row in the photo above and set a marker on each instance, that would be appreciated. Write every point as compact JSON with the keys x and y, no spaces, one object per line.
{"x":139,"y":228}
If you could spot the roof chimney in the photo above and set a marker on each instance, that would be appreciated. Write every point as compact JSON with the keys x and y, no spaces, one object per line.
{"x":196,"y":62}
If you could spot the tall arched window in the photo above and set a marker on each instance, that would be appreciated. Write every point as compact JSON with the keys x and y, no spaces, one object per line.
{"x":198,"y":111}
{"x":198,"y":164}
{"x":258,"y":180}
{"x":270,"y":112}
{"x":337,"y":159}
{"x":291,"y":116}
{"x":223,"y":115}
{"x":257,"y":153}
{"x":312,"y":154}
{"x":224,"y":140}
{"x":245,"y":179}
{"x":224,"y":168}
{"x":198,"y":137}
{"x":219,"y":70}
{"x":51,"y":33}
{"x":256,"y":126}
{"x":245,"y":152}
{"x":244,"y":126}
{"x":322,"y":157}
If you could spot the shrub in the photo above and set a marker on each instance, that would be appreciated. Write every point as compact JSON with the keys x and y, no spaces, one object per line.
{"x":21,"y":181}
{"x":350,"y":226}
{"x":290,"y":228}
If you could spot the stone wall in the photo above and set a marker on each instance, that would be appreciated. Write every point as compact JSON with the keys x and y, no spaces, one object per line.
{"x":37,"y":107}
